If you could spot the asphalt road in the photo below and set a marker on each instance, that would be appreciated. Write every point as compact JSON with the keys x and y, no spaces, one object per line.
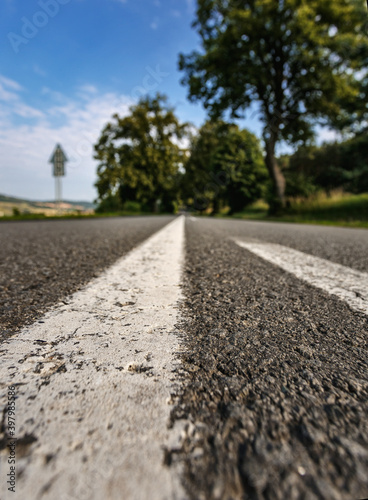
{"x":42,"y":262}
{"x":274,"y":379}
{"x":276,"y":383}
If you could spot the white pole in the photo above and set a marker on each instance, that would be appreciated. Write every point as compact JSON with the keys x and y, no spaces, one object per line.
{"x":58,"y":193}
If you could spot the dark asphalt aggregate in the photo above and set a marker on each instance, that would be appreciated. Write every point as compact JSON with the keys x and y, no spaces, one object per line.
{"x":275,"y":379}
{"x":42,"y":262}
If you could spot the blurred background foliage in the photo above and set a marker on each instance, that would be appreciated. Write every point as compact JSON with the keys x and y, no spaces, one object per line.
{"x":303,"y":63}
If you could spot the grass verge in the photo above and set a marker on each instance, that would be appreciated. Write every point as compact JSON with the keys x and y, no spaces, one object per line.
{"x":339,"y":209}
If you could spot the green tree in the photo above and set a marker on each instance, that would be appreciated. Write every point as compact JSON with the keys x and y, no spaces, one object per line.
{"x":342,"y":165}
{"x":225,"y":168}
{"x":199,"y":183}
{"x":296,"y":58}
{"x":140,"y":156}
{"x":239,"y":161}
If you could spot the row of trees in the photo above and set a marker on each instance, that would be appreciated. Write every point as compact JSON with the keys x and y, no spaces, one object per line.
{"x":338,"y":165}
{"x":302,"y":62}
{"x":150,"y":158}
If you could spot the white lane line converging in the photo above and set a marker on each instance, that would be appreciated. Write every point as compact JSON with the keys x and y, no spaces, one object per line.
{"x":94,"y":379}
{"x":346,"y":283}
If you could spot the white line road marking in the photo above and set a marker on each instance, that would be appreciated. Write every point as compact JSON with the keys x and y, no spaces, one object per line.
{"x":346,"y":283}
{"x":95,"y":381}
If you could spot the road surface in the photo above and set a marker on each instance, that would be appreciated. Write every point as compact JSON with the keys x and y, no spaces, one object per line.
{"x":43,"y":261}
{"x":215,"y":359}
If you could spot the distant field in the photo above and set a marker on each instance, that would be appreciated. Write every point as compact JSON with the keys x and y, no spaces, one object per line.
{"x":11,"y":206}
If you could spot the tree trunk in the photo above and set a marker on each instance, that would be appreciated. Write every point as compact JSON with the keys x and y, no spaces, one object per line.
{"x":278,"y":179}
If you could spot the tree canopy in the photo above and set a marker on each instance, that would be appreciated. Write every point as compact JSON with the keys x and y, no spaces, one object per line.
{"x":140,"y":156}
{"x":225,"y":168}
{"x":300,"y":60}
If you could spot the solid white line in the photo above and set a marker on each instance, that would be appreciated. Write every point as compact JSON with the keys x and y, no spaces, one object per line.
{"x":346,"y":283}
{"x":95,"y":381}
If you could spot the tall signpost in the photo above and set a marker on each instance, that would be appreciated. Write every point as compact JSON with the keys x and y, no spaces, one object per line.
{"x":58,"y":159}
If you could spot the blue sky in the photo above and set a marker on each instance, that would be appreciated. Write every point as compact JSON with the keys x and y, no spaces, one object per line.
{"x":67,"y":65}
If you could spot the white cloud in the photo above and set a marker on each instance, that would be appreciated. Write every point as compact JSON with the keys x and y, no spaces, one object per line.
{"x":56,"y":96}
{"x":11,"y":102}
{"x":6,"y":95}
{"x":88,"y":89}
{"x":25,"y":111}
{"x":39,"y":71}
{"x":10,"y":83}
{"x":154,"y":24}
{"x":8,"y":90}
{"x":28,"y":137}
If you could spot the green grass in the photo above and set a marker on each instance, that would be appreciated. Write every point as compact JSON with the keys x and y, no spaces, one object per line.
{"x":339,"y":209}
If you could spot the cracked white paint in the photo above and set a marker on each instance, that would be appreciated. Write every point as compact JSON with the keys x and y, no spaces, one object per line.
{"x":95,"y":379}
{"x":346,"y":283}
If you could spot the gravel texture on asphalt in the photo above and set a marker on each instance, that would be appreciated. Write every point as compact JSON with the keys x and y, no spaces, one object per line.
{"x":275,"y":380}
{"x":41,"y":262}
{"x":345,"y":246}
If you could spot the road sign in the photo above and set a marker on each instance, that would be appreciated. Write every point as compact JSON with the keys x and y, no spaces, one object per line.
{"x":58,"y":159}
